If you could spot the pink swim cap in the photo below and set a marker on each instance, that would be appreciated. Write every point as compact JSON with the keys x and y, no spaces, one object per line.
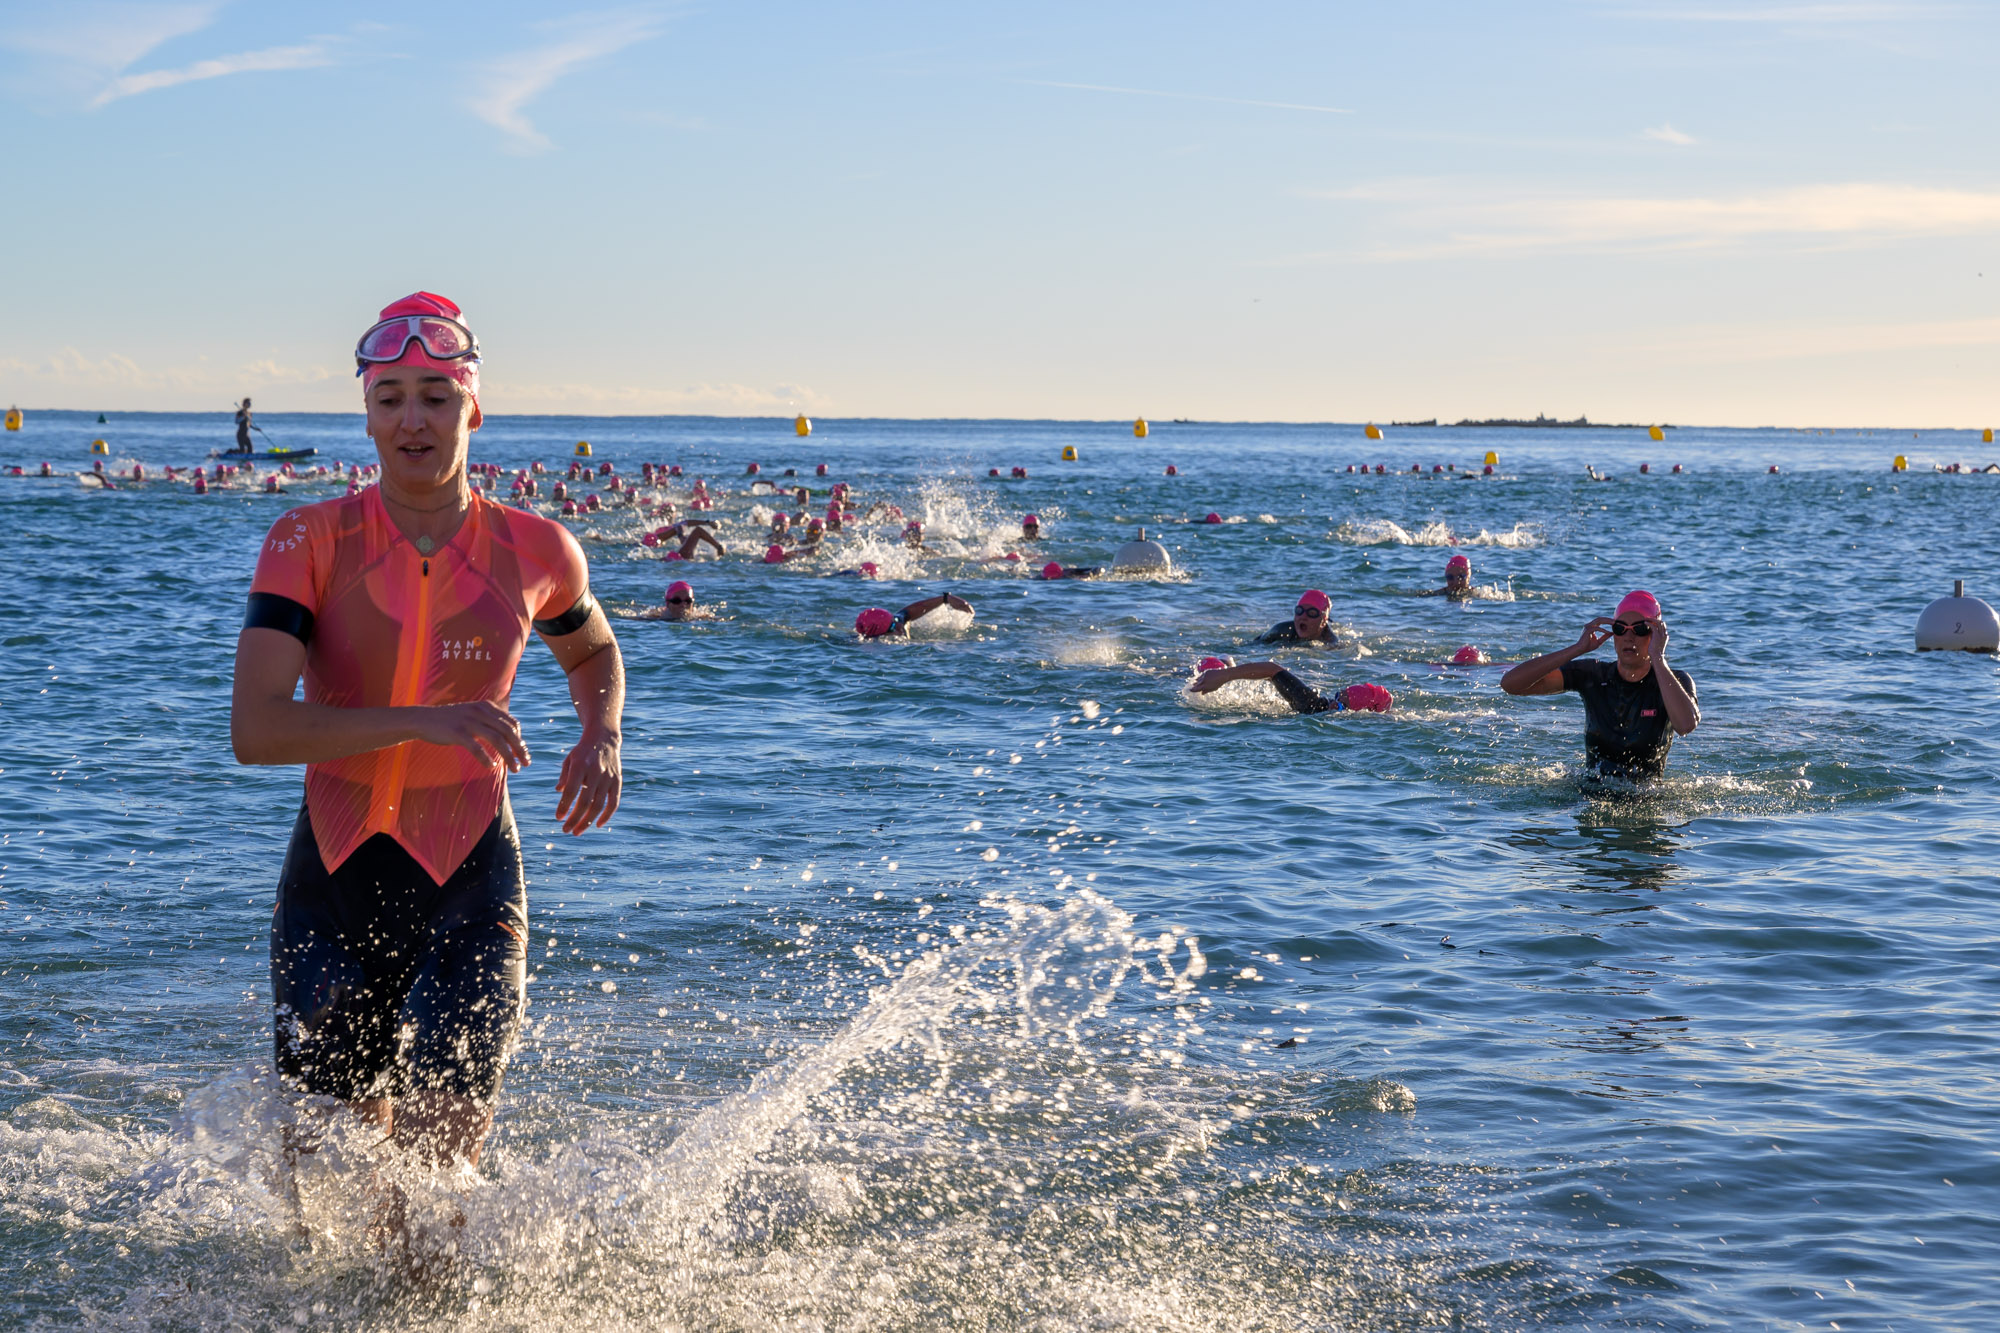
{"x":914,"y":525}
{"x":645,"y":538}
{"x":1466,"y":656}
{"x":1369,"y":698}
{"x":673,"y":555}
{"x":774,"y":554}
{"x":1458,"y":562}
{"x":1213,"y":517}
{"x":869,"y":569}
{"x":1026,"y":519}
{"x":466,"y":372}
{"x":680,"y":585}
{"x":1639,"y":602}
{"x":1316,"y":599}
{"x":874,"y":623}
{"x":1052,"y":570}
{"x":1210,"y":664}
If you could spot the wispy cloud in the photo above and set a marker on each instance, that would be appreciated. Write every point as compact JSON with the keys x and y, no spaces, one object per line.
{"x":271,"y":58}
{"x":509,"y":83}
{"x":1466,"y":219}
{"x":1193,"y":97}
{"x":1790,"y":15}
{"x":1667,"y":134}
{"x":108,"y":37}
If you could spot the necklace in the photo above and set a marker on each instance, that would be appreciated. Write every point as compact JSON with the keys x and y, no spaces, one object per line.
{"x":424,"y":545}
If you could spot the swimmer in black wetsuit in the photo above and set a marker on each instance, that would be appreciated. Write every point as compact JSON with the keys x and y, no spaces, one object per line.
{"x":1633,"y":707}
{"x":1053,"y":571}
{"x":877,"y":623}
{"x":1308,"y":624}
{"x":1370,"y":698}
{"x":1457,"y":580}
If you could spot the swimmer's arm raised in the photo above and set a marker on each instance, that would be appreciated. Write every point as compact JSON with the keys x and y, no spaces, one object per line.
{"x":1218,"y":677}
{"x":268,"y":726}
{"x":592,"y":776}
{"x":1682,"y":711}
{"x":1543,"y":675}
{"x":918,"y":610}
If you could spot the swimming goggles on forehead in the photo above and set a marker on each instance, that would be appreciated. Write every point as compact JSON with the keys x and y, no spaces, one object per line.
{"x":445,"y":340}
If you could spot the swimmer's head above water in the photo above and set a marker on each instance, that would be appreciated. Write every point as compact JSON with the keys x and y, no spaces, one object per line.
{"x":874,"y":623}
{"x":1457,"y":575}
{"x":1309,"y":616}
{"x":680,"y":600}
{"x":1637,"y":630}
{"x":1031,"y":526}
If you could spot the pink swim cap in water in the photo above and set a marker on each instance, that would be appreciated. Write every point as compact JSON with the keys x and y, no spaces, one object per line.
{"x":1213,"y":517}
{"x":1052,"y":570}
{"x":1467,"y":656}
{"x":465,"y":371}
{"x":1316,"y":599}
{"x":1029,"y":520}
{"x":1639,"y":602}
{"x":874,"y":623}
{"x":1211,"y":664}
{"x":1368,"y":698}
{"x":774,"y":554}
{"x":1458,"y":562}
{"x":673,"y":555}
{"x":645,"y":538}
{"x":680,"y":585}
{"x":869,"y":569}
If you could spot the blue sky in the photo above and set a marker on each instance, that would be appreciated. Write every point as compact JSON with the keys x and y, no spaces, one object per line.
{"x":1693,"y":211}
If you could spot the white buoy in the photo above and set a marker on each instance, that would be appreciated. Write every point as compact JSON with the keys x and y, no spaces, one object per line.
{"x":1958,"y":624}
{"x":1142,"y":554}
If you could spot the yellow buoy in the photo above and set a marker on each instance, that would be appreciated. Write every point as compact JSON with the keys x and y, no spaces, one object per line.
{"x":1656,"y":433}
{"x":1987,"y":438}
{"x":100,"y":447}
{"x":1492,"y":459}
{"x":1901,"y":464}
{"x":13,"y":418}
{"x":802,"y":425}
{"x":1139,"y":428}
{"x":583,"y":448}
{"x":1069,"y":453}
{"x":1372,"y":431}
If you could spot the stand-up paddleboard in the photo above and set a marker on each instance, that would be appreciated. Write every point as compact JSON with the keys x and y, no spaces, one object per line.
{"x":263,"y":456}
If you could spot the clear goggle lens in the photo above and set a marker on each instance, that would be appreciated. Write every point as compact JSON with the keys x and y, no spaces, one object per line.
{"x":445,"y":339}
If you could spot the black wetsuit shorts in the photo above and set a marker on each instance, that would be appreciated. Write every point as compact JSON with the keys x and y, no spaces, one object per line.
{"x":386,"y":982}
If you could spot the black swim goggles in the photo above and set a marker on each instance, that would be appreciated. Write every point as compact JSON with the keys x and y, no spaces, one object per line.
{"x":444,"y":339}
{"x":1638,"y":629}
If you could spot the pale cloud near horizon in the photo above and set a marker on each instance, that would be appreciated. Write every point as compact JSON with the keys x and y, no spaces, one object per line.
{"x":509,"y":83}
{"x":309,"y":56}
{"x":1884,"y":11}
{"x":1666,"y":133}
{"x":1466,"y":219}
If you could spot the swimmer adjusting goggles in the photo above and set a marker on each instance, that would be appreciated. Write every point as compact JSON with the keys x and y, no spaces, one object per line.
{"x":444,"y":339}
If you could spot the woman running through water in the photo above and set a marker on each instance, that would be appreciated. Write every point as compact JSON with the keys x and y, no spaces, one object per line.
{"x":1363,"y":698}
{"x":1633,"y":707}
{"x":398,"y":944}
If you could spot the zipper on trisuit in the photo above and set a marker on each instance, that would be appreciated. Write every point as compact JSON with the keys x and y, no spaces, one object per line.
{"x":408,"y":687}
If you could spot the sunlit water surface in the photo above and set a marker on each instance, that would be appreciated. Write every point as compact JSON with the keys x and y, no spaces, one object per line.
{"x":990,"y":981}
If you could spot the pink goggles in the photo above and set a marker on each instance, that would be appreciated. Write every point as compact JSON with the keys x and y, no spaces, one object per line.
{"x":441,"y":338}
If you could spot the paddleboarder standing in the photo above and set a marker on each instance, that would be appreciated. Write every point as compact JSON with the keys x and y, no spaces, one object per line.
{"x":243,"y":424}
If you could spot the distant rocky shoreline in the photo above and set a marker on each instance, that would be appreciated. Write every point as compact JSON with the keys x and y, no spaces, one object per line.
{"x":1539,"y":423}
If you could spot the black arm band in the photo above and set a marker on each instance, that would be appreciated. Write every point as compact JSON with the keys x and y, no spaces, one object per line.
{"x":570,"y":621}
{"x":268,"y":610}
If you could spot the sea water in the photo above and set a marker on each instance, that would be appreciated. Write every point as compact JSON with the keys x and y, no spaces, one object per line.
{"x":990,"y":980}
